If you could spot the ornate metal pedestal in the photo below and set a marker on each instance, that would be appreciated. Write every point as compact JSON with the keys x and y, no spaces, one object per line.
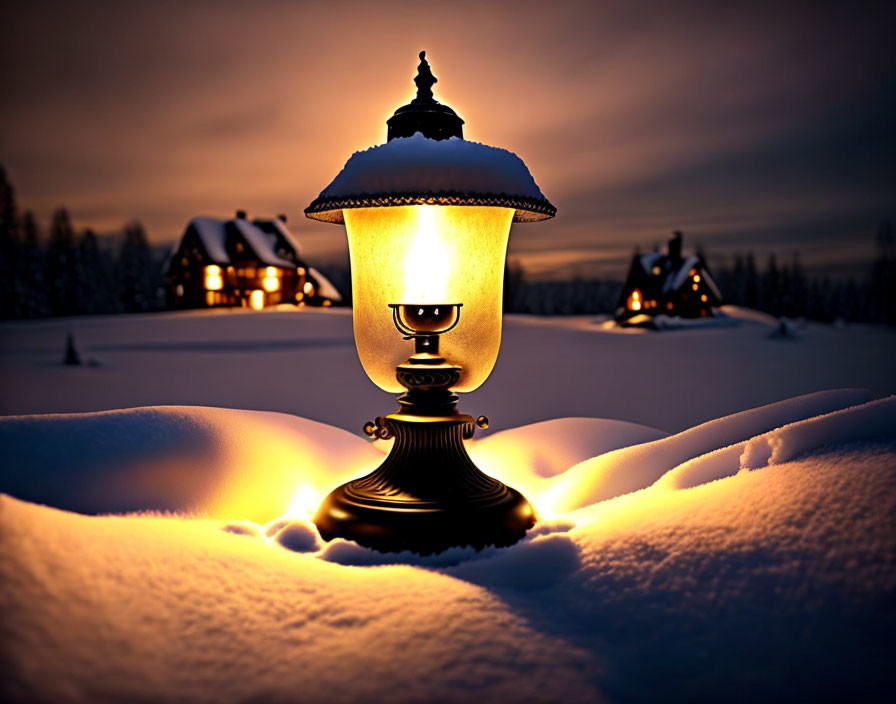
{"x":428,"y":495}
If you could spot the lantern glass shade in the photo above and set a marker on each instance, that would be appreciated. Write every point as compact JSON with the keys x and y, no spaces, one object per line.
{"x":427,"y":255}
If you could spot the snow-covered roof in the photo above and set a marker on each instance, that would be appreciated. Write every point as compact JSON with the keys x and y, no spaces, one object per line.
{"x":262,"y":243}
{"x":416,"y":170}
{"x":648,"y":260}
{"x":278,"y":225}
{"x":675,"y":282}
{"x":213,"y":234}
{"x":681,"y":276}
{"x":324,"y":287}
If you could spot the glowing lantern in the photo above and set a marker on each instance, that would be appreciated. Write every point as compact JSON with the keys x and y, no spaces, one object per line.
{"x":214,"y":281}
{"x":428,"y":254}
{"x":428,"y":216}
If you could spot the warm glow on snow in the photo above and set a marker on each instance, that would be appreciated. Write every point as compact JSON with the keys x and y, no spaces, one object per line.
{"x":304,"y":502}
{"x":272,"y":471}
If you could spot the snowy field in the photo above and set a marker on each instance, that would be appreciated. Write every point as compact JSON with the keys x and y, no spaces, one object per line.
{"x":716,"y":518}
{"x":305,"y":364}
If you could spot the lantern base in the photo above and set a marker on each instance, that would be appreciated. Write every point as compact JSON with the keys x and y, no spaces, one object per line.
{"x":427,"y":496}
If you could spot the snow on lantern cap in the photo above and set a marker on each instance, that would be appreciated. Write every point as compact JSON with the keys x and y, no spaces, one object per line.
{"x":426,"y":161}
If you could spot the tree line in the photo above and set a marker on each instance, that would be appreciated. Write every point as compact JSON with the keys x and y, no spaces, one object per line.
{"x":786,"y":290}
{"x":779,"y":289}
{"x":68,"y":272}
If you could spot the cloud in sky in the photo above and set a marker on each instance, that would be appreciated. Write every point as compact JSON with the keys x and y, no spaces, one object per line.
{"x":751,"y":126}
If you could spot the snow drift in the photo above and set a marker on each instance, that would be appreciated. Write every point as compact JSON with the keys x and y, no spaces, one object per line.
{"x":774,"y":582}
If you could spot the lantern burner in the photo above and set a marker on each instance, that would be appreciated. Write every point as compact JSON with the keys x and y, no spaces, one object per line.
{"x":423,"y":323}
{"x":427,"y":495}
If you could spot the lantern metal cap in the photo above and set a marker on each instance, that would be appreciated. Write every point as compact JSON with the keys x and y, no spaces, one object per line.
{"x":420,"y":171}
{"x":426,"y":161}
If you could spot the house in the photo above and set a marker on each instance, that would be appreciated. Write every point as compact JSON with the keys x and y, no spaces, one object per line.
{"x":242,"y":263}
{"x":667,"y":284}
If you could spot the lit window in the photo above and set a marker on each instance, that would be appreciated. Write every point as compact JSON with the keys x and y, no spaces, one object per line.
{"x":256,"y":300}
{"x":308,"y":288}
{"x":210,"y":298}
{"x":179,"y":290}
{"x":656,"y":271}
{"x":634,"y":300}
{"x":696,"y":278}
{"x":693,"y":272}
{"x":213,"y":279}
{"x":300,"y":271}
{"x":703,"y":298}
{"x":694,"y":286}
{"x":300,"y":296}
{"x":271,"y":280}
{"x":326,"y":302}
{"x":669,"y":306}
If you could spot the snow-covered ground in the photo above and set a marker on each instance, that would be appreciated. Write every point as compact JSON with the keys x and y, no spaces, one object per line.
{"x":305,"y":363}
{"x":689,"y":549}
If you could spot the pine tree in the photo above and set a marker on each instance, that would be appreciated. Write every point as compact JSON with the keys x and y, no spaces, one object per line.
{"x":90,"y":276}
{"x":751,"y":283}
{"x":771,"y":288}
{"x":135,"y":271}
{"x":32,"y":293}
{"x":10,"y":246}
{"x":800,"y":288}
{"x":882,"y":287}
{"x":60,"y":266}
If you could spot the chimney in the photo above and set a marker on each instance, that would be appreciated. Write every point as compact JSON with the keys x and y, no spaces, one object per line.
{"x":240,"y":214}
{"x":282,"y":218}
{"x":675,"y":248}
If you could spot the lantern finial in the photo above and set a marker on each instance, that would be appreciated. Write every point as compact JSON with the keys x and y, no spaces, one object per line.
{"x":424,"y":80}
{"x":424,"y":114}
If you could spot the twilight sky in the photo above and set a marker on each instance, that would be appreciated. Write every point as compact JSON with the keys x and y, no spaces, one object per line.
{"x":767,"y":126}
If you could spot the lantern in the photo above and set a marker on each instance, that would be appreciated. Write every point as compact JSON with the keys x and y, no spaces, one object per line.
{"x":428,"y":215}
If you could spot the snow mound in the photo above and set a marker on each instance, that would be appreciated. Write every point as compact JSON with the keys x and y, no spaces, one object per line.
{"x":299,"y":536}
{"x":417,"y":165}
{"x":632,"y":468}
{"x":871,"y":421}
{"x":346,"y":552}
{"x":218,"y":462}
{"x":553,"y":446}
{"x":246,"y":528}
{"x":706,"y":591}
